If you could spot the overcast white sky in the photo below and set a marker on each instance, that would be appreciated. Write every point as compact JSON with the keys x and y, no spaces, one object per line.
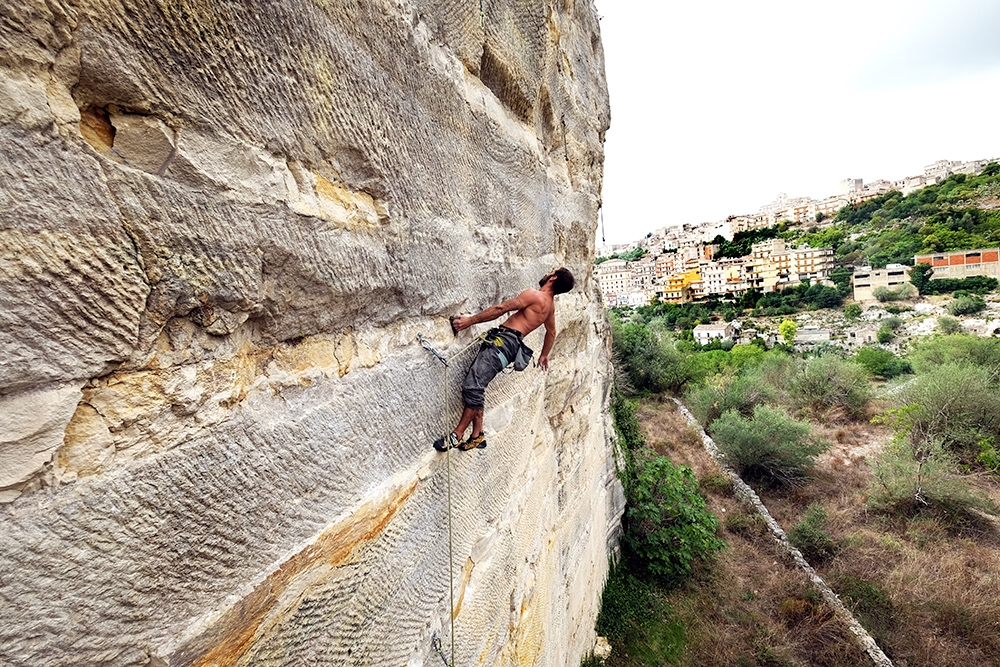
{"x":716,"y":107}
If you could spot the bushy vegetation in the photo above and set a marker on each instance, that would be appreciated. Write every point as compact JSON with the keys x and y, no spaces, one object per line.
{"x":880,"y":362}
{"x":667,"y":530}
{"x":809,"y":536}
{"x":949,"y":325}
{"x":793,"y":299}
{"x":901,"y":293}
{"x":666,"y":524}
{"x":932,"y":353}
{"x":966,"y":305}
{"x":909,"y":481}
{"x":770,"y":447}
{"x":650,"y":361}
{"x":633,"y":255}
{"x":829,"y":382}
{"x":743,"y":241}
{"x":765,"y":409}
{"x":954,"y":404}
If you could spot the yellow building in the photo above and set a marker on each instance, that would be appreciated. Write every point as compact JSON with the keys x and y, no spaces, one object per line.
{"x":678,"y":287}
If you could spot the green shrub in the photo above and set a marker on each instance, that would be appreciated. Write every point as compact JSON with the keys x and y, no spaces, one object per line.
{"x":893,"y":322}
{"x":988,"y":456}
{"x":718,"y":484}
{"x":949,"y":325}
{"x":884,"y":335}
{"x":809,"y":536}
{"x":637,"y":620}
{"x":955,"y":404}
{"x":667,"y":525}
{"x":934,"y":352}
{"x":627,"y":600}
{"x":741,"y":393}
{"x":904,"y":291}
{"x":975,"y":284}
{"x":966,"y":305}
{"x":829,"y":381}
{"x":627,"y":426}
{"x":908,"y":482}
{"x":881,"y":362}
{"x":852,"y":311}
{"x":650,"y":362}
{"x":771,"y":447}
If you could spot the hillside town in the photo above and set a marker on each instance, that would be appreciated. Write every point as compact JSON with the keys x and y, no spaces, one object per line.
{"x":679,"y":263}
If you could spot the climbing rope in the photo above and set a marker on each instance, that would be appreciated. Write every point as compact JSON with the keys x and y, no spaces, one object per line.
{"x":435,"y":640}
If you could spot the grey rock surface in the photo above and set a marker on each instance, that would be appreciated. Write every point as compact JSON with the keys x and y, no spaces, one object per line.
{"x":222,"y":226}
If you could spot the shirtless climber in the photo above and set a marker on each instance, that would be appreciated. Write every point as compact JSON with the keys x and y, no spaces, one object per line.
{"x":534,"y":308}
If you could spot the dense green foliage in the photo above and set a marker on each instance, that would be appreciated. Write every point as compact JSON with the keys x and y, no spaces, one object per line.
{"x":880,"y":362}
{"x":743,"y":241}
{"x":633,"y":255}
{"x":667,"y":526}
{"x":974,"y":284}
{"x":793,"y":299}
{"x":666,"y":522}
{"x":770,"y":447}
{"x":904,"y":291}
{"x":636,"y":620}
{"x":946,"y":420}
{"x":932,"y":353}
{"x":650,"y":362}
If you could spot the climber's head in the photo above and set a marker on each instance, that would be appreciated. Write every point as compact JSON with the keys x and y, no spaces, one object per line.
{"x":562,"y":280}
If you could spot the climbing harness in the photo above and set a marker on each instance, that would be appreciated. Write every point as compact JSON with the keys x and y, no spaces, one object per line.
{"x":435,"y":640}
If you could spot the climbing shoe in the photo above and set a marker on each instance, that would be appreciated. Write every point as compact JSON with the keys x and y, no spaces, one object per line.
{"x":452,"y":441}
{"x":477,"y":442}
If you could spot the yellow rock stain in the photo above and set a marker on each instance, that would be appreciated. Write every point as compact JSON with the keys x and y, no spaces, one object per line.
{"x":348,"y":208}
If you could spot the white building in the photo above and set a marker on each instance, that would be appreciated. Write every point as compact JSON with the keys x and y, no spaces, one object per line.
{"x":705,"y":333}
{"x":614,"y":279}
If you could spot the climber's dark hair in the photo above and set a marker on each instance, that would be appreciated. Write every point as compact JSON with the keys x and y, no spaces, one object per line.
{"x":564,"y":281}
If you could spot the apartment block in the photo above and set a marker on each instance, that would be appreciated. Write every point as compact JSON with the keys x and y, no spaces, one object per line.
{"x":867,"y":280}
{"x":963,"y":263}
{"x":614,"y":278}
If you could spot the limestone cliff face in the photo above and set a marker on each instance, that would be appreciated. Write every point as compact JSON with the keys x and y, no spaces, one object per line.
{"x":222,"y":226}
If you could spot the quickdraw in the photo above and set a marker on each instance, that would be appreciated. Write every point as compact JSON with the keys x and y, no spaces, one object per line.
{"x":426,"y":344}
{"x":436,"y":645}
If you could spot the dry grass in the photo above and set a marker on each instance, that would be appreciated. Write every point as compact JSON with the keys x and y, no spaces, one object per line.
{"x":929,"y":593}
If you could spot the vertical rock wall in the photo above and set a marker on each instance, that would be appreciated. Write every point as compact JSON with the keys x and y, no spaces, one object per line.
{"x":222,"y":226}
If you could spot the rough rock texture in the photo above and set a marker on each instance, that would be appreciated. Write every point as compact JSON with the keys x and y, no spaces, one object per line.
{"x":222,"y":226}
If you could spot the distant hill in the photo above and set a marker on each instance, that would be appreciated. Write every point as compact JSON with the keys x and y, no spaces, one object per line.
{"x":959,"y":213}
